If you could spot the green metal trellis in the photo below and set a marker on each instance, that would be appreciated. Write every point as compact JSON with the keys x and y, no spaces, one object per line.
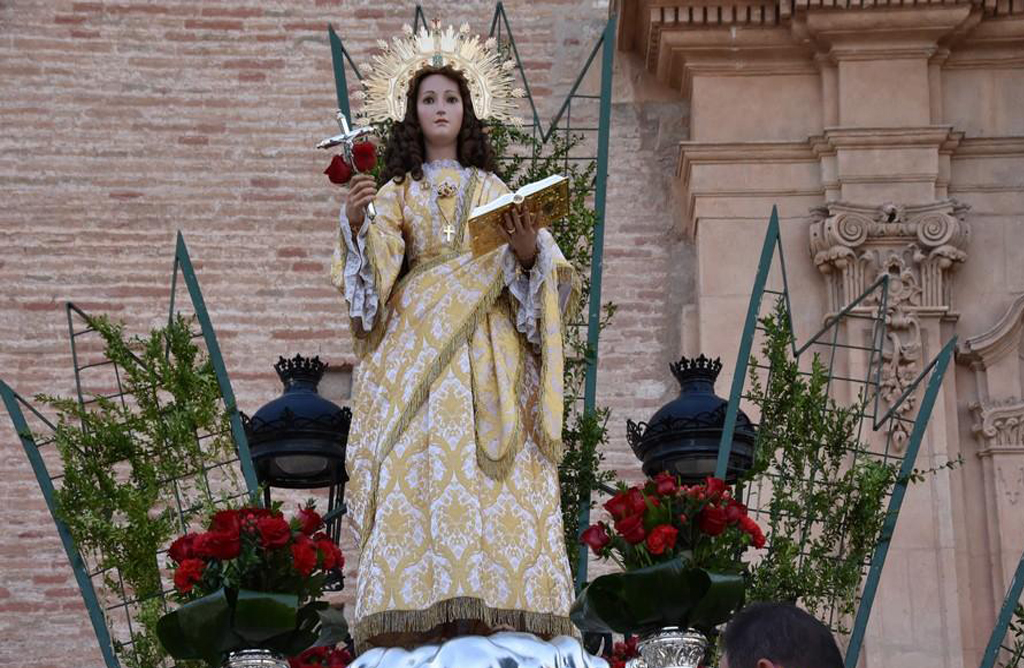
{"x":113,"y":612}
{"x":869,"y":310}
{"x":1005,"y":623}
{"x":561,"y":126}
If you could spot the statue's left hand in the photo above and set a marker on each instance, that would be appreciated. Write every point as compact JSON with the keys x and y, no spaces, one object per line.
{"x":521,"y":233}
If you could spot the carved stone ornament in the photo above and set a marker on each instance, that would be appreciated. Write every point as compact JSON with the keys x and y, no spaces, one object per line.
{"x":918,"y":247}
{"x":996,"y":356}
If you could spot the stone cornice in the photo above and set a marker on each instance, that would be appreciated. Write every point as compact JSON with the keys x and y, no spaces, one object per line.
{"x":669,"y":32}
{"x":942,"y":136}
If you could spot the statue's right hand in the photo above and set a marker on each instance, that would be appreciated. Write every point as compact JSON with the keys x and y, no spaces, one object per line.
{"x":362,"y":188}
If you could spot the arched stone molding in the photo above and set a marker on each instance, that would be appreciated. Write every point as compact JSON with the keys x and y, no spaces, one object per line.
{"x":996,"y":356}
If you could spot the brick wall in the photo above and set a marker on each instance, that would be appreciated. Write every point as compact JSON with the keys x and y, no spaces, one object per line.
{"x":125,"y":122}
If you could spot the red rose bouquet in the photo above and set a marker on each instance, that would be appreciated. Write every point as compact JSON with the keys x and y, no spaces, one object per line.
{"x":363,"y":160}
{"x":680,"y":547}
{"x":250,"y":582}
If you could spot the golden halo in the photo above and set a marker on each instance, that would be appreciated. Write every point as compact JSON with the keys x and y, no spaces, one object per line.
{"x":386,"y":81}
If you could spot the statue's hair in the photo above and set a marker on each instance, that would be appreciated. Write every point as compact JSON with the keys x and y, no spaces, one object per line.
{"x":405,"y":149}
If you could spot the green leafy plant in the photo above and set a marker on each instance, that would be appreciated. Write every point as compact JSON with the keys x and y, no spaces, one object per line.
{"x":122,"y":457}
{"x":1015,"y":638}
{"x":828,"y":492}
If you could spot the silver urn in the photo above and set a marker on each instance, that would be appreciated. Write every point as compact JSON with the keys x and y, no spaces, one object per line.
{"x":254,"y":658}
{"x":670,"y":647}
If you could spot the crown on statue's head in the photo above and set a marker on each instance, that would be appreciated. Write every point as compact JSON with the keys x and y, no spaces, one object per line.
{"x":387,"y":78}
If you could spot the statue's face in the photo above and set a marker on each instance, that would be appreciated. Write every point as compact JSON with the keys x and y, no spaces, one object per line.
{"x":439,"y":110}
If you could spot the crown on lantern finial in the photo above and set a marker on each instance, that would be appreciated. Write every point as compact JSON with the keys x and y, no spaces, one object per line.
{"x":696,"y":368}
{"x":300,"y":368}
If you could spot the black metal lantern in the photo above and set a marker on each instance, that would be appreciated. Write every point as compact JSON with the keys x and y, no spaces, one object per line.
{"x":298,"y":440}
{"x":683,"y":436}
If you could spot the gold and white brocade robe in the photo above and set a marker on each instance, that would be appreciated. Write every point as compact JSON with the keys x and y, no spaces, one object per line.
{"x":456,"y":433}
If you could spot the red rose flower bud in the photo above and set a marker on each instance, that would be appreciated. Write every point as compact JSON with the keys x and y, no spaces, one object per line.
{"x":309,"y":521}
{"x":183,"y":548}
{"x":304,"y":555}
{"x":218,"y":545}
{"x":274,"y":532}
{"x":632,"y":528}
{"x":364,"y":155}
{"x":665,"y":484}
{"x":338,"y":171}
{"x":714,"y":487}
{"x":683,"y":519}
{"x":618,"y":506}
{"x":188,"y":574}
{"x":661,"y":538}
{"x":712,"y":520}
{"x":596,"y":538}
{"x":735,"y":511}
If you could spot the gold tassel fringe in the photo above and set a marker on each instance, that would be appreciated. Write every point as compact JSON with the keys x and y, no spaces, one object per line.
{"x":458,"y":609}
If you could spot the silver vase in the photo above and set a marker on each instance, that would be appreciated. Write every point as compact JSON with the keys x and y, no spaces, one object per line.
{"x":254,"y":658}
{"x":670,"y":647}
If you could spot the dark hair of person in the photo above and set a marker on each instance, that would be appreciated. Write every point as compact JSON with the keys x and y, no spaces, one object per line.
{"x":782,"y":633}
{"x":405,"y":149}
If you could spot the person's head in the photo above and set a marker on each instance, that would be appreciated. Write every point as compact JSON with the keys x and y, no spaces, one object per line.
{"x":778,"y":635}
{"x":439,"y":112}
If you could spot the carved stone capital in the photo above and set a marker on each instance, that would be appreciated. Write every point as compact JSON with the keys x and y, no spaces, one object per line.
{"x":999,"y":425}
{"x":916,"y":246}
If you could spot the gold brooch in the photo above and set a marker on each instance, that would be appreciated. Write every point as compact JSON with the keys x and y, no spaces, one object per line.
{"x":446,"y":189}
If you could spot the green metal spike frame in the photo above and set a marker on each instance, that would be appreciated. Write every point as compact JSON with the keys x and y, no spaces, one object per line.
{"x":998,"y":642}
{"x":36,"y":442}
{"x":563,"y":125}
{"x":871,"y":306}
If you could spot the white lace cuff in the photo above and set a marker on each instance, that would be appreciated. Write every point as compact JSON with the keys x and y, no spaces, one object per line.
{"x":525,"y":286}
{"x":360,"y":292}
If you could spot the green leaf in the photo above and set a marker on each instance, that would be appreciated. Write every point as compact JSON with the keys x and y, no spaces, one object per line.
{"x":333,"y":628}
{"x":261,"y":615}
{"x":200,"y":629}
{"x":665,"y":594}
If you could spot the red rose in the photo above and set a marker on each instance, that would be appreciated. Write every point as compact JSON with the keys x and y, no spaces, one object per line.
{"x":225,"y":521}
{"x":714,"y":487}
{"x":331,"y":553}
{"x":631,"y":528}
{"x":665,"y":484}
{"x":217,"y":545}
{"x":618,"y":506}
{"x":749,"y":526}
{"x":683,"y":519}
{"x":661,"y":538}
{"x":637,"y":500}
{"x":183,"y":548}
{"x":735,"y":511}
{"x":274,"y":532}
{"x":712,"y":520}
{"x":339,"y":171}
{"x":596,"y":538}
{"x":339,"y":658}
{"x":304,"y":555}
{"x":364,"y":156}
{"x":309,"y":521}
{"x":188,"y":574}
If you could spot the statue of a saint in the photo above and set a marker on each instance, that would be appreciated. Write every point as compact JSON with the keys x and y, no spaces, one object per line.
{"x":456,"y":435}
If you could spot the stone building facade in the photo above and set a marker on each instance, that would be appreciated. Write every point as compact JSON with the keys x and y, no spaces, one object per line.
{"x":873,"y":127}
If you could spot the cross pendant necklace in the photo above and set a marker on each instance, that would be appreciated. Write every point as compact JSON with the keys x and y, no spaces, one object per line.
{"x":449,"y":231}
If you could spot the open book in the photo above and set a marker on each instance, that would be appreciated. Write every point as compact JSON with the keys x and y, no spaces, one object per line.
{"x":547,"y":199}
